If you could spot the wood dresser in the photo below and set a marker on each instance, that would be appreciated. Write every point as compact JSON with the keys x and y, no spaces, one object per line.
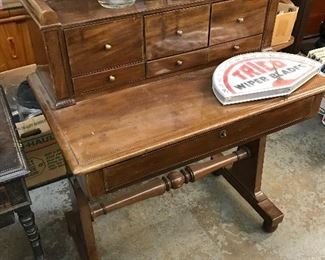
{"x":128,"y":96}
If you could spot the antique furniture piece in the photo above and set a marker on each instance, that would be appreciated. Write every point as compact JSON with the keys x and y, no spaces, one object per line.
{"x":14,"y":196}
{"x":15,"y":43}
{"x":91,"y":49}
{"x":128,"y":96}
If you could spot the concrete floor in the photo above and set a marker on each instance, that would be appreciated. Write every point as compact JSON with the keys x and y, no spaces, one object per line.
{"x":204,"y":220}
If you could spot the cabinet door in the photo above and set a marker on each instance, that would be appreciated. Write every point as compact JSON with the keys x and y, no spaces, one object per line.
{"x":15,"y":45}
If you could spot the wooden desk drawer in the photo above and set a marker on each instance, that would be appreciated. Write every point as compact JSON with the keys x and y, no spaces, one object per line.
{"x":176,"y":63}
{"x":109,"y":79}
{"x":223,"y":51}
{"x":177,"y":31}
{"x":97,"y":47}
{"x":236,"y":19}
{"x":203,"y":145}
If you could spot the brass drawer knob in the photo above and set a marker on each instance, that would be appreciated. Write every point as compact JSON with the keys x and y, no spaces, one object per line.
{"x":179,"y":32}
{"x":240,"y":20}
{"x":108,"y":47}
{"x":179,"y":63}
{"x":237,"y":47}
{"x":111,"y":78}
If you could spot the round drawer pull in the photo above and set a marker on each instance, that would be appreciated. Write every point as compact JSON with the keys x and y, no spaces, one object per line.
{"x":179,"y":63}
{"x":179,"y":32}
{"x":112,"y":78}
{"x":237,"y":47}
{"x":223,"y":133}
{"x":240,"y":20}
{"x":108,"y":47}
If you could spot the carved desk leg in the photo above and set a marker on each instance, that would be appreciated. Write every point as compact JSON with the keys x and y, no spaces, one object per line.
{"x":245,"y":176}
{"x":27,"y":220}
{"x":80,"y":223}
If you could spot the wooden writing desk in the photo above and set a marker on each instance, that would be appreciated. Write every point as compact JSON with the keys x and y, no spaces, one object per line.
{"x":106,"y":82}
{"x":111,"y":141}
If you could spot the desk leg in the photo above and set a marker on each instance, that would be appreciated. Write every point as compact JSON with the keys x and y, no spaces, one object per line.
{"x":27,"y":220}
{"x":80,"y":223}
{"x":246,"y":176}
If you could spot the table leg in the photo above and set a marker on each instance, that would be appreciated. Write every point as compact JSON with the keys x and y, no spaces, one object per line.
{"x":27,"y":220}
{"x":80,"y":223}
{"x":246,"y":176}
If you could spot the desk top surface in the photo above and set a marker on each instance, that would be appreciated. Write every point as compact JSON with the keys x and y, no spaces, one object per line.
{"x":107,"y":129}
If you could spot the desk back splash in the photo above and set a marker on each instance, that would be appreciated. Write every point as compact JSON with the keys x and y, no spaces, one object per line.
{"x":83,"y":48}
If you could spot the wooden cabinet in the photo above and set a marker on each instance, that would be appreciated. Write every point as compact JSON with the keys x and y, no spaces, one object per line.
{"x":97,"y":49}
{"x":15,"y":43}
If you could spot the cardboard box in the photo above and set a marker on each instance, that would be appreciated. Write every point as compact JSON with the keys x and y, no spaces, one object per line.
{"x":42,"y":152}
{"x":284,"y":22}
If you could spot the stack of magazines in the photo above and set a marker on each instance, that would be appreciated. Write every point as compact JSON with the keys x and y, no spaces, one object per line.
{"x":261,"y":75}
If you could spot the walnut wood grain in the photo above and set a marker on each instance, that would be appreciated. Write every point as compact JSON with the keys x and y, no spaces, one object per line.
{"x":177,"y":63}
{"x":199,"y":147}
{"x":57,"y":63}
{"x":221,"y":52}
{"x":269,"y":23}
{"x":149,"y":117}
{"x":228,"y":25}
{"x":93,"y":39}
{"x":103,"y":46}
{"x":42,"y":12}
{"x":174,"y":180}
{"x":176,"y":31}
{"x":111,"y":79}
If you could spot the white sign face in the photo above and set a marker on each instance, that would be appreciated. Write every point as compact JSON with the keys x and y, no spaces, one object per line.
{"x":260,"y":75}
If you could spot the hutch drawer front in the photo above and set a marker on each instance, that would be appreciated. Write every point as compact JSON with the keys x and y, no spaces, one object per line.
{"x":177,"y":63}
{"x":177,"y":31}
{"x":223,"y":51}
{"x":236,"y":19}
{"x":102,"y":46}
{"x":110,"y":79}
{"x":205,"y":144}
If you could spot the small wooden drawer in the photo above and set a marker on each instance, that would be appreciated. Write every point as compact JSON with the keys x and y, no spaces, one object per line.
{"x":109,"y":79}
{"x":178,"y":31}
{"x":176,"y":63}
{"x":219,"y":53}
{"x":98,"y":47}
{"x":236,"y":19}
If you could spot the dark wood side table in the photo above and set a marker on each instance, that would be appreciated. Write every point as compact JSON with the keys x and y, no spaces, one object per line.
{"x":14,"y":197}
